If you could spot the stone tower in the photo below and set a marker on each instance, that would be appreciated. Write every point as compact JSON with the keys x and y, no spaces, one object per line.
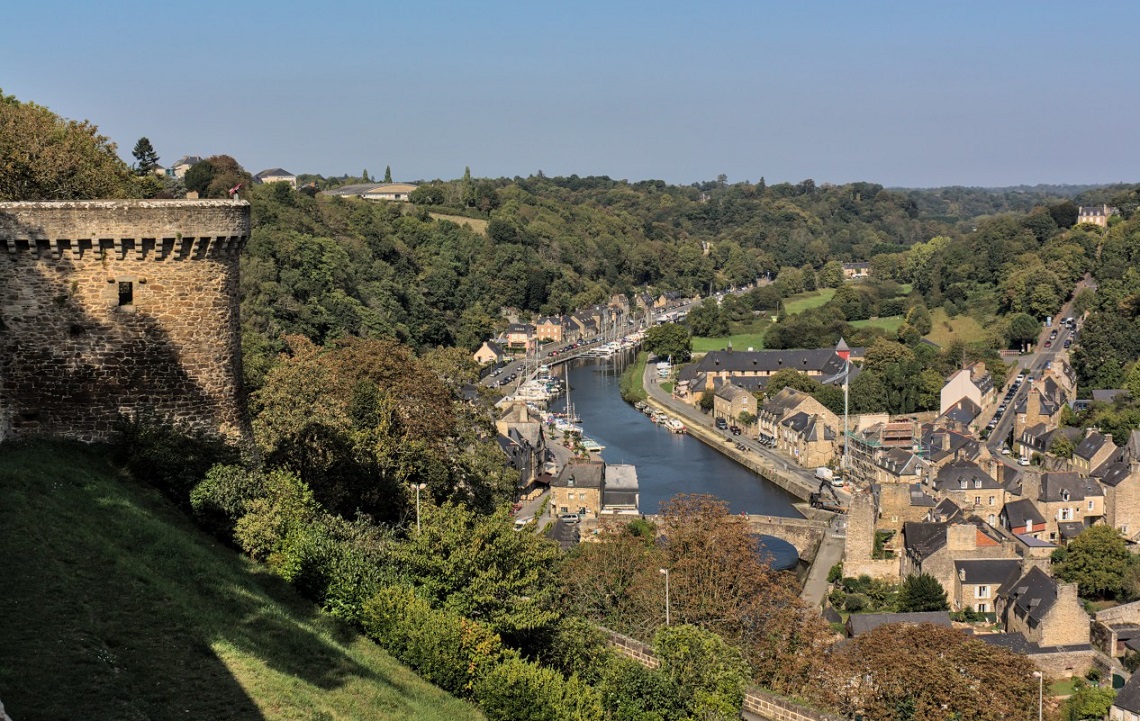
{"x":111,"y":308}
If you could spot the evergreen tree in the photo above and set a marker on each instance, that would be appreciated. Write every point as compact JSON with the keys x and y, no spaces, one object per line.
{"x":387,"y":173}
{"x":145,"y":155}
{"x":365,"y":176}
{"x":922,"y":593}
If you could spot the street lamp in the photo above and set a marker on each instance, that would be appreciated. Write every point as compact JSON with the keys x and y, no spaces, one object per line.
{"x":665,"y":571}
{"x":419,"y":487}
{"x":1040,"y":692}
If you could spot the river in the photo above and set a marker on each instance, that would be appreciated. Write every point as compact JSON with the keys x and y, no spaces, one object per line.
{"x":667,"y":463}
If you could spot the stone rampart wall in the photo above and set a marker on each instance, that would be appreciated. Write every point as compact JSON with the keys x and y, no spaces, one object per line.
{"x":1064,"y":664}
{"x":111,"y":308}
{"x":757,"y":701}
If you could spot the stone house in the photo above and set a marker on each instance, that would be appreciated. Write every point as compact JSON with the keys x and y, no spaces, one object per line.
{"x":1116,"y":630}
{"x":807,"y":438}
{"x":973,"y":382}
{"x":822,"y":364}
{"x":853,"y":271}
{"x":971,"y":488}
{"x":584,"y":325}
{"x":1044,"y":611}
{"x":520,"y":336}
{"x":1093,"y":450}
{"x":785,"y":404}
{"x":551,"y":329}
{"x":978,"y":582}
{"x":489,"y":352}
{"x":1121,"y":483}
{"x":898,"y":465}
{"x":1046,"y":397}
{"x":933,"y":548}
{"x":1096,"y":214}
{"x":620,"y":303}
{"x":1068,"y":502}
{"x":1022,"y":518}
{"x":184,"y":164}
{"x":277,"y":175}
{"x":578,"y":489}
{"x":730,"y":400}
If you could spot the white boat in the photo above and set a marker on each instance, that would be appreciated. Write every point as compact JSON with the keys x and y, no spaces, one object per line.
{"x":675,"y":425}
{"x":592,"y":446}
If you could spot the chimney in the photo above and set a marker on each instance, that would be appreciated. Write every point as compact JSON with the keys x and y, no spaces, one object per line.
{"x":945,"y":442}
{"x":1033,"y":406}
{"x":1031,"y":485}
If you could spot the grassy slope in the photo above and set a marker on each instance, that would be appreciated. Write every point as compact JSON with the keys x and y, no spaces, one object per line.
{"x":890,"y":324}
{"x":115,"y":607}
{"x":811,"y":299}
{"x":962,"y":327}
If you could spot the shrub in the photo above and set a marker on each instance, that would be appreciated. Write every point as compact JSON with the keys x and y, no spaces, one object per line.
{"x":517,"y":690}
{"x":224,"y":496}
{"x":632,"y":691}
{"x":287,"y":505}
{"x":836,"y":573}
{"x":855,"y":603}
{"x":707,"y":666}
{"x":444,"y":648}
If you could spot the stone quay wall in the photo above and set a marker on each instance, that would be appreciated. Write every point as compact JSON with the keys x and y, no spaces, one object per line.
{"x":115,"y":308}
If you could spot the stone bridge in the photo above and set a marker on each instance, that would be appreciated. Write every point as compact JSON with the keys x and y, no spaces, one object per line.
{"x":804,"y":534}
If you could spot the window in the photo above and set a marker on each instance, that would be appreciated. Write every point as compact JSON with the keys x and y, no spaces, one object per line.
{"x":962,"y":483}
{"x":977,"y":500}
{"x":126,"y":293}
{"x":1066,"y":514}
{"x":983,"y":608}
{"x":1028,"y":525}
{"x":991,"y":501}
{"x":982,"y":592}
{"x":1091,"y":505}
{"x":977,"y":483}
{"x":990,"y":519}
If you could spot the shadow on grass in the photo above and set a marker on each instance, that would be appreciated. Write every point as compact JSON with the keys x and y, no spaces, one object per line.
{"x":114,"y":606}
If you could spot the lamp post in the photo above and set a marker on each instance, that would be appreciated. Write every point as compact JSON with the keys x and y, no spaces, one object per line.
{"x":419,"y":487}
{"x":1040,"y":693}
{"x":665,"y":571}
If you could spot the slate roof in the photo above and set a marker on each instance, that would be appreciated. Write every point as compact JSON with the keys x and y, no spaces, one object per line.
{"x":1033,"y":595}
{"x":823,"y":360}
{"x":946,"y":510}
{"x":899,"y":462}
{"x":1070,"y":529}
{"x":1055,"y":485}
{"x":356,"y":189}
{"x":859,"y":623}
{"x":999,"y":572}
{"x":1128,"y":698}
{"x":964,"y":412}
{"x":1012,"y":641}
{"x":565,"y":535}
{"x":809,"y":426}
{"x":919,"y":497}
{"x":749,"y":384}
{"x":730,"y":392}
{"x":1091,"y":445}
{"x":924,"y":539}
{"x":274,"y":173}
{"x":580,"y":475}
{"x":1107,"y":395}
{"x":520,"y":328}
{"x":1022,"y":510}
{"x":953,"y":475}
{"x":1113,"y":474}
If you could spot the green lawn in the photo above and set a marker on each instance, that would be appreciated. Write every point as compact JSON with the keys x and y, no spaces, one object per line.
{"x":890,"y":324}
{"x":944,"y":329}
{"x":115,"y":606}
{"x":740,"y":341}
{"x":802,"y":301}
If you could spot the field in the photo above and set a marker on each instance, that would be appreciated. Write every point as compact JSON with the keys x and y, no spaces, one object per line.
{"x":744,"y":336}
{"x":478,"y":225}
{"x":812,"y":299}
{"x":889,"y":324}
{"x":944,"y":330}
{"x":115,"y":606}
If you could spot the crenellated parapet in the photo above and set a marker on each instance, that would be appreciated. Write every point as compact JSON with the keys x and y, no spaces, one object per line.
{"x":117,"y":307}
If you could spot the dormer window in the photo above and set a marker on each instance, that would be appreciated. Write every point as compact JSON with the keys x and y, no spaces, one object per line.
{"x":977,"y":483}
{"x":1065,"y":495}
{"x":962,"y":484}
{"x":1029,"y":525}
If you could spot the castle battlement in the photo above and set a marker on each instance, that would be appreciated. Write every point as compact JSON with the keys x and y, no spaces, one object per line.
{"x":115,"y":307}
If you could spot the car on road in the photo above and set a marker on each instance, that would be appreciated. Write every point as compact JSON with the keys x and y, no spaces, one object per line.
{"x":1023,"y":461}
{"x":735,"y":430}
{"x":1048,"y":344}
{"x":521,"y":523}
{"x":1004,"y":451}
{"x":721,"y":423}
{"x":570,"y":518}
{"x":1068,"y":342}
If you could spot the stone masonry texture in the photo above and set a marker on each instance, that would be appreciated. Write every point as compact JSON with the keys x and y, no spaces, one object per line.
{"x":111,"y":308}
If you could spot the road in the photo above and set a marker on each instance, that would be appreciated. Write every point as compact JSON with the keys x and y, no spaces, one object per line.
{"x":693,"y":417}
{"x":1035,"y":363}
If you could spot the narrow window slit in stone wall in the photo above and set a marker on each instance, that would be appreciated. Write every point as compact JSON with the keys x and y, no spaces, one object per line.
{"x":126,"y":293}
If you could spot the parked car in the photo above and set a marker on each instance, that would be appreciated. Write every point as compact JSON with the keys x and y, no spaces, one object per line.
{"x":570,"y":518}
{"x":1048,"y":344}
{"x":1023,"y":461}
{"x":721,"y":423}
{"x":1068,"y":342}
{"x":735,"y":430}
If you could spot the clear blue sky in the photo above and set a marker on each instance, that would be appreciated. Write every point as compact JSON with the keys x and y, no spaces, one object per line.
{"x":908,"y":93}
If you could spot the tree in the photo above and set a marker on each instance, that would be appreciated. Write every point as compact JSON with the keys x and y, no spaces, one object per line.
{"x":922,"y":593}
{"x":903,"y":672}
{"x":1096,"y":560}
{"x":707,"y":320}
{"x":387,"y":173}
{"x":669,"y":340}
{"x":1062,"y":446}
{"x":704,"y":665}
{"x":1023,"y":328}
{"x":831,"y":275}
{"x":1088,"y":702}
{"x":145,"y":155}
{"x":46,"y":157}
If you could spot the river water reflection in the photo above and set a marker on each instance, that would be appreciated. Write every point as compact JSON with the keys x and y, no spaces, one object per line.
{"x":667,"y":463}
